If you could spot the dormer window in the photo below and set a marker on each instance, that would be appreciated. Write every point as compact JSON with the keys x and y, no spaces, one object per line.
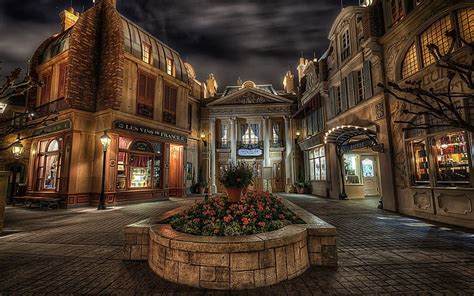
{"x":170,"y":68}
{"x":345,"y":45}
{"x":146,"y":53}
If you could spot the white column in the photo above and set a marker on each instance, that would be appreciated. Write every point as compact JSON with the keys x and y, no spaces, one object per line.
{"x":266,"y":141}
{"x":288,"y":151}
{"x":212,"y":128}
{"x":233,"y":139}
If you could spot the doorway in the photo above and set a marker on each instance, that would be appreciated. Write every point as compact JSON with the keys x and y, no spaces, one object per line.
{"x":176,"y":170}
{"x":370,"y":175}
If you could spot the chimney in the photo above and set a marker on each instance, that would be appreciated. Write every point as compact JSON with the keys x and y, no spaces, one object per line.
{"x":68,"y":18}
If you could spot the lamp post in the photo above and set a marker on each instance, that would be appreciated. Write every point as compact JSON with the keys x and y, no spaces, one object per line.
{"x":105,"y":141}
{"x":17,"y":150}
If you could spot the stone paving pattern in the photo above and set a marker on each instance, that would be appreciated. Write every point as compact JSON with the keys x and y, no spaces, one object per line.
{"x":79,"y":251}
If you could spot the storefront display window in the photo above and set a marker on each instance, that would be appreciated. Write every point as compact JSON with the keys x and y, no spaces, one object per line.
{"x":452,"y":159}
{"x":49,"y":164}
{"x":139,"y":166}
{"x":420,"y":169}
{"x":317,"y":164}
{"x":352,"y":168}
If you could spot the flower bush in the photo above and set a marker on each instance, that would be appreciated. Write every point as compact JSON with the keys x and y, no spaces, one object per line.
{"x":239,"y":176}
{"x":255,"y":213}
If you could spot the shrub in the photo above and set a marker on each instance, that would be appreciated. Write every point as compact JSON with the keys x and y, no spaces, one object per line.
{"x":255,"y":213}
{"x":239,"y":176}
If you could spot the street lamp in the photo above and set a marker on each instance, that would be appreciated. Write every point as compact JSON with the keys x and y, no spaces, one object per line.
{"x":105,"y":141}
{"x":17,"y":150}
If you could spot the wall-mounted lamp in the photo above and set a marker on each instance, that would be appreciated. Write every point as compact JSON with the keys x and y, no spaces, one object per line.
{"x":203,"y":138}
{"x":298,"y":133}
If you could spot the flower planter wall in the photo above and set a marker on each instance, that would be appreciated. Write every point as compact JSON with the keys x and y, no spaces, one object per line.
{"x":238,"y":262}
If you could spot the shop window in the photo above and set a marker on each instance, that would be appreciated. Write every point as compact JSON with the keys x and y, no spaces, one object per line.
{"x":352,"y":169}
{"x":435,"y":34}
{"x":45,"y":94}
{"x":146,"y":53}
{"x":420,"y":164}
{"x":124,"y":142}
{"x":139,"y":166}
{"x":345,"y":45}
{"x":452,"y":159}
{"x":466,"y":24}
{"x":317,"y":164}
{"x":170,"y":67}
{"x":63,"y":70}
{"x":49,"y":165}
{"x":169,"y":105}
{"x":250,"y":133}
{"x":410,"y":62}
{"x":145,"y":94}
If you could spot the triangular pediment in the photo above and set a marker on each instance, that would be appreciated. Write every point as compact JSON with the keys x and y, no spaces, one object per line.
{"x":246,"y":96}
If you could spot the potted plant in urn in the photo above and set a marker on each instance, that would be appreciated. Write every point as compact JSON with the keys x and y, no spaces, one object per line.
{"x":236,"y":179}
{"x":201,"y":186}
{"x":301,"y":186}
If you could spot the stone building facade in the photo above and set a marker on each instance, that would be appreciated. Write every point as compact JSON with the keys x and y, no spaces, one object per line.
{"x":433,"y":166}
{"x":250,"y":123}
{"x":103,"y":73}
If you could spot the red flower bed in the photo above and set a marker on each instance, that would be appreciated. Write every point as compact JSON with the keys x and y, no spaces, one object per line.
{"x":255,"y":213}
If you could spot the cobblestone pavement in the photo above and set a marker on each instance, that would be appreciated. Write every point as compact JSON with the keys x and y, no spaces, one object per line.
{"x":78,"y":251}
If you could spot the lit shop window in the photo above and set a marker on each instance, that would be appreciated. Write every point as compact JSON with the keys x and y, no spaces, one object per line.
{"x":317,"y":164}
{"x":420,"y":164}
{"x":352,"y":169}
{"x":140,"y":171}
{"x":452,"y":159}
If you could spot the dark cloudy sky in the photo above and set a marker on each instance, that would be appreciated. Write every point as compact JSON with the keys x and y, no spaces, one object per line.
{"x":254,"y":39}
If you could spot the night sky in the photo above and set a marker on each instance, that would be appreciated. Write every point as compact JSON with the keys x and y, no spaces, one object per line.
{"x":256,"y":40}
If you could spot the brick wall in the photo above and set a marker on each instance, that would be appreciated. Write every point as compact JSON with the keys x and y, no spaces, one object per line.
{"x":112,"y":58}
{"x":373,"y":20}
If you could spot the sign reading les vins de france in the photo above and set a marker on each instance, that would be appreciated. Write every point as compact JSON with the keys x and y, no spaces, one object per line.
{"x":149,"y":131}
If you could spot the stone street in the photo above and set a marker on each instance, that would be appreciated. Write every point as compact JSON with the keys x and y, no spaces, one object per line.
{"x":78,"y":251}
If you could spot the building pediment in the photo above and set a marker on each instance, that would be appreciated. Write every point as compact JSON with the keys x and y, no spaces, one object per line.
{"x":248,"y":96}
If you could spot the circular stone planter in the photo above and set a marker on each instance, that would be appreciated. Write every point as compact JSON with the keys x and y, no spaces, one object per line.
{"x":223,"y":263}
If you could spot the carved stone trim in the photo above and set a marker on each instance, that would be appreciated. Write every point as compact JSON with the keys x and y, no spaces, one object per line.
{"x":422,"y":200}
{"x":447,"y":201}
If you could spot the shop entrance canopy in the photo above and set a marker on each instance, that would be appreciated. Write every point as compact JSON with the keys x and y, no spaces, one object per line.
{"x":349,"y":137}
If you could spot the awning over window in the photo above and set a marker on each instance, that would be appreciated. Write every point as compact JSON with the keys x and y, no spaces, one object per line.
{"x":349,"y":137}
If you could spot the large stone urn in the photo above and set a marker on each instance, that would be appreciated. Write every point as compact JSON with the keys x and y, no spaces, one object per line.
{"x":4,"y":175}
{"x":233,"y":193}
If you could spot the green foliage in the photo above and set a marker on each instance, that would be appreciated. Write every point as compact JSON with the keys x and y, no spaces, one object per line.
{"x":255,"y":213}
{"x":239,"y":176}
{"x":302,"y":184}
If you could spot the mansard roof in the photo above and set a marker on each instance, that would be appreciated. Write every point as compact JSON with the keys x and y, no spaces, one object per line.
{"x":135,"y":36}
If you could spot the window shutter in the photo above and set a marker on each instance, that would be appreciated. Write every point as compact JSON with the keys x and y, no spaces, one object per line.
{"x":141,"y":87}
{"x":350,"y":90}
{"x":332,"y":103}
{"x":367,"y":73}
{"x":344,"y":94}
{"x":62,"y":80}
{"x":150,"y":90}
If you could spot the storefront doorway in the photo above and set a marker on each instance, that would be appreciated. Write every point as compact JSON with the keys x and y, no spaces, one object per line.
{"x":370,"y":176}
{"x":176,"y":171}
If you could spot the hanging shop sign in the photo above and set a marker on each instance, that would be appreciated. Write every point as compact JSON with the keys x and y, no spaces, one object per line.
{"x":120,"y":125}
{"x":357,"y":145}
{"x":255,"y":152}
{"x":53,"y":128}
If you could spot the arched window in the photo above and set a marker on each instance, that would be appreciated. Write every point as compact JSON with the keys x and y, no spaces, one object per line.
{"x":435,"y":34}
{"x":466,"y":23}
{"x":48,"y":167}
{"x":410,"y":62}
{"x":53,"y":146}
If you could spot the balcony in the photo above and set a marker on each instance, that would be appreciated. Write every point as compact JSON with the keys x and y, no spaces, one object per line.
{"x":258,"y":145}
